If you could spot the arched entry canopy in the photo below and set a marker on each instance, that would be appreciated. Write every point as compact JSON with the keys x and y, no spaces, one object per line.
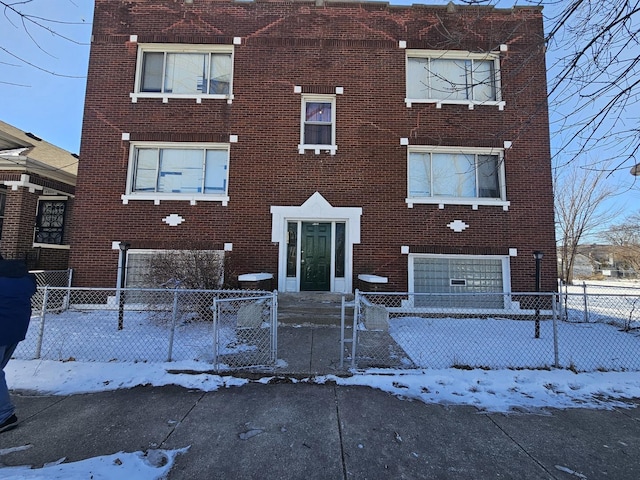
{"x":315,"y":245}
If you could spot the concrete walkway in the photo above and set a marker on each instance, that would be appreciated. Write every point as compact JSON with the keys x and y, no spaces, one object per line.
{"x":309,"y":333}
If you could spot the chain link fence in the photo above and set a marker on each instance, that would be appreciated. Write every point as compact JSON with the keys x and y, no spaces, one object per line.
{"x":237,"y":329}
{"x":227,"y":328}
{"x":600,"y":303}
{"x":52,"y":278}
{"x":607,"y":288}
{"x":494,"y":331}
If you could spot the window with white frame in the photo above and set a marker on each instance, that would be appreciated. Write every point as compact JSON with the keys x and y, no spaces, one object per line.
{"x":176,"y":70}
{"x":178,"y":171}
{"x":453,"y":77}
{"x":455,"y":175}
{"x":459,"y":281}
{"x":318,"y":123}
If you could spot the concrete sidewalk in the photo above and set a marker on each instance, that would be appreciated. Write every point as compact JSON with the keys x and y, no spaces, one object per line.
{"x":282,"y":431}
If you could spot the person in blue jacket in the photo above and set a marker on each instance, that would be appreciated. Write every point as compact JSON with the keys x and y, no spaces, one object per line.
{"x":17,"y":286}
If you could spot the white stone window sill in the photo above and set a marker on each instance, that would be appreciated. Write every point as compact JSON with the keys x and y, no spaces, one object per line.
{"x":470,"y":103}
{"x":192,"y":199}
{"x":473,"y":202}
{"x":317,"y":149}
{"x":198,"y":97}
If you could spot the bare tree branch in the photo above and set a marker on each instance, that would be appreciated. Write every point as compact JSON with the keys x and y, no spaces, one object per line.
{"x":580,"y":195}
{"x":595,"y":84}
{"x":39,"y":32}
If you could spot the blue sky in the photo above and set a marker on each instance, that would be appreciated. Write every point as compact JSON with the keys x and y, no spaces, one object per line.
{"x":50,"y":103}
{"x":47,"y":105}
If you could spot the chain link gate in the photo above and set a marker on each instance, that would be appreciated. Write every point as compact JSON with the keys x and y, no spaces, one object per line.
{"x":248,"y":326}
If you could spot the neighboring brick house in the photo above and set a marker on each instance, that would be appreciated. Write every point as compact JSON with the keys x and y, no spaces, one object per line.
{"x":317,"y":141}
{"x":37,"y":184}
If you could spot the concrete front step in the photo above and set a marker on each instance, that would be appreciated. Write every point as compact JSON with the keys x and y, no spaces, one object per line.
{"x":311,"y":308}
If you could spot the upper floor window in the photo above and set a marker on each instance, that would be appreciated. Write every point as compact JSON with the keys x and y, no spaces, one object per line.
{"x":454,"y":175}
{"x":318,"y":123}
{"x":191,"y":71}
{"x":453,"y":77}
{"x":178,"y":172}
{"x":50,"y":221}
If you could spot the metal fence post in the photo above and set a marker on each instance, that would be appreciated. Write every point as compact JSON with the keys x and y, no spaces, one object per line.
{"x":174,"y":320}
{"x":342,"y":311}
{"x":67,"y":299}
{"x":565,"y":303}
{"x":562,"y":306}
{"x":215,"y":334}
{"x":354,"y":335}
{"x":556,"y":357}
{"x":43,"y":313}
{"x":586,"y":307}
{"x":274,"y":327}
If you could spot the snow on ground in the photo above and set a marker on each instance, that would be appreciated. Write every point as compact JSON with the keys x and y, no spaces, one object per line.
{"x":92,"y":335}
{"x":152,"y":465}
{"x":503,"y":343}
{"x":496,"y":390}
{"x":488,"y":390}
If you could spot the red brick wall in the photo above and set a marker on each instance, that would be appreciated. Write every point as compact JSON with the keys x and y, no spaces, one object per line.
{"x":351,"y":45}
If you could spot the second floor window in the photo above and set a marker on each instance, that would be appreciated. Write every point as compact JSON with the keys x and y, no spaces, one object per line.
{"x":453,"y":174}
{"x":178,"y":171}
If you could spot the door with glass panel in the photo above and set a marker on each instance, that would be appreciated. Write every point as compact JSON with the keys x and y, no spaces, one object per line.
{"x":315,"y":257}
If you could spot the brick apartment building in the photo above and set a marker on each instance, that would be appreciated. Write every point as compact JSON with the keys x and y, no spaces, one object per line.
{"x":317,"y":141}
{"x":37,"y":185}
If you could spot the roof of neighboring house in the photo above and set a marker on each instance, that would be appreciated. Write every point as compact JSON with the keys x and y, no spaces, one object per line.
{"x":26,"y":152}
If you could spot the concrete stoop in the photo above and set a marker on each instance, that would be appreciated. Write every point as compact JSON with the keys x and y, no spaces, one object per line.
{"x":309,"y":333}
{"x":311,"y":308}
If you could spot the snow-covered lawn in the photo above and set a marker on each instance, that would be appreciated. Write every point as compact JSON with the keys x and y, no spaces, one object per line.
{"x":503,"y":343}
{"x":93,"y":335}
{"x":608,"y":302}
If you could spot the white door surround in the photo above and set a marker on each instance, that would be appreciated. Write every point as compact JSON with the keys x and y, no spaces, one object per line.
{"x":315,"y":209}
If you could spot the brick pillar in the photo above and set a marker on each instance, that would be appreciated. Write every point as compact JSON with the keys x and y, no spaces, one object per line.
{"x":19,"y":222}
